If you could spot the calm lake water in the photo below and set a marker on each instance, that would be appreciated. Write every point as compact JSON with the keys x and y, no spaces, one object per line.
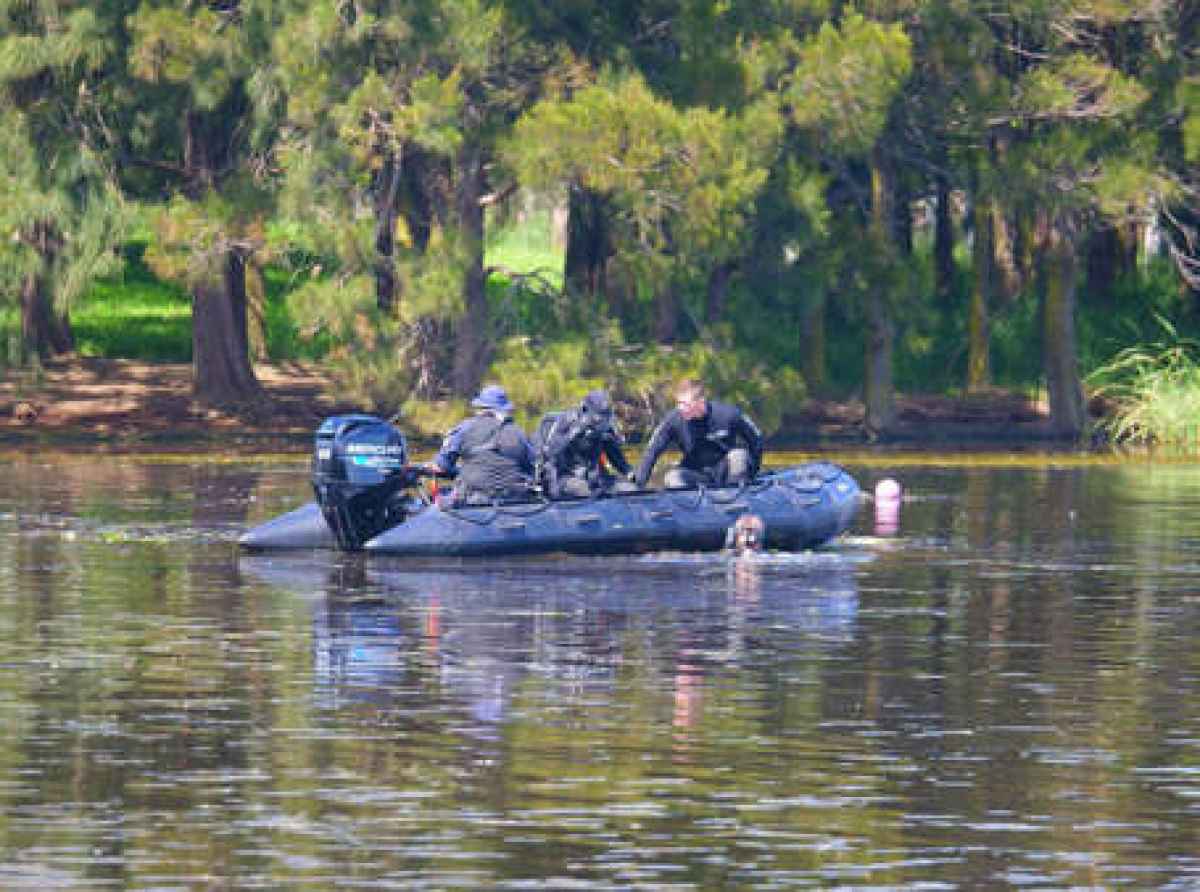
{"x":1002,"y":692}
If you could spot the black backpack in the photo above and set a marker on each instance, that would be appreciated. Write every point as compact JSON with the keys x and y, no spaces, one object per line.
{"x":541,"y":442}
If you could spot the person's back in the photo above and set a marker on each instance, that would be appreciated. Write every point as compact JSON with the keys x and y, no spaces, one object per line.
{"x":577,"y":445}
{"x":488,"y":454}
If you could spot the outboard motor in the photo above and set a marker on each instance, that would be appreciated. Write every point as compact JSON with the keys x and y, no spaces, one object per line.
{"x":359,"y":473}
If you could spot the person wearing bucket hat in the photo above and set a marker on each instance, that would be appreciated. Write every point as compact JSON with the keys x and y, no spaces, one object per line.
{"x":575,"y":448}
{"x":488,"y":455}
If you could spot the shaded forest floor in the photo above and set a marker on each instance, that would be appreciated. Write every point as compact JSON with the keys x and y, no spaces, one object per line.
{"x":128,"y":402}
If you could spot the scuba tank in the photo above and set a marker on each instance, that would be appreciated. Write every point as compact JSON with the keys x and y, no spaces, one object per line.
{"x":359,"y":474}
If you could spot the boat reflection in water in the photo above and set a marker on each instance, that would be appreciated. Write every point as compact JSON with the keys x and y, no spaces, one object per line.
{"x":468,"y":636}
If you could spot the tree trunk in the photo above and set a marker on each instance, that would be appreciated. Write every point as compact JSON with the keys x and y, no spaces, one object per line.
{"x":1068,"y":411}
{"x":879,"y":389}
{"x":978,"y":344}
{"x":472,"y":352}
{"x":588,"y":247}
{"x":718,"y":290}
{"x":1025,"y":245}
{"x":1006,"y":267}
{"x":900,"y":204}
{"x":812,"y":347}
{"x":221,"y":371}
{"x":256,"y":311}
{"x":1003,"y":262}
{"x":423,"y":197}
{"x":666,"y":316}
{"x":222,"y":374}
{"x":387,"y":188}
{"x":943,"y":242}
{"x":1111,"y":254}
{"x":44,"y":333}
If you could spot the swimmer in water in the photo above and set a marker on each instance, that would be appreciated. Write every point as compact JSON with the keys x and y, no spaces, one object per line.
{"x":747,"y":536}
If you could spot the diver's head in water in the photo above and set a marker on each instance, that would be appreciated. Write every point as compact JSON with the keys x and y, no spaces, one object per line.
{"x":748,"y":535}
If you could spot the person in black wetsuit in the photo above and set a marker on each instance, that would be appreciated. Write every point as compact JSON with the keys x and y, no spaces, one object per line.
{"x":577,"y":442}
{"x":707,"y":433}
{"x":488,"y":455}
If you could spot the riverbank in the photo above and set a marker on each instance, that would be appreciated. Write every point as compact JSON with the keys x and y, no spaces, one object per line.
{"x":127,"y":403}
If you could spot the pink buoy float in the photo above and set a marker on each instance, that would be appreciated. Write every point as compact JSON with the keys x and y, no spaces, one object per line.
{"x":887,"y":507}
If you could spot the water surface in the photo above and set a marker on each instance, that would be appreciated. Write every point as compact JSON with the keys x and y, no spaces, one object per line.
{"x":1001,"y":692}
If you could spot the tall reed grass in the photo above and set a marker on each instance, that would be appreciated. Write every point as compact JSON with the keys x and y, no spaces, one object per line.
{"x":1156,"y":392}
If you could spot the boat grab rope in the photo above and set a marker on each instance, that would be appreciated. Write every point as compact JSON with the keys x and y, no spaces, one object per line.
{"x":804,"y":484}
{"x":755,"y":486}
{"x":758,"y":485}
{"x":742,"y":489}
{"x":700,"y":493}
{"x":489,"y":518}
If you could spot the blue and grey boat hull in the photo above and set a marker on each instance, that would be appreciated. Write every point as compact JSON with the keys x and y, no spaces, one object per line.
{"x":801,"y":507}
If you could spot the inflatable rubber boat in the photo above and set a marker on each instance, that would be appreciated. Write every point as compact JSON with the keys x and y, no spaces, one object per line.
{"x":365,"y":500}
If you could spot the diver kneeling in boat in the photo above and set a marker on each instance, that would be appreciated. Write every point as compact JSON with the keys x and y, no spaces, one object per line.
{"x":707,"y":433}
{"x":488,"y":455}
{"x":578,"y":444}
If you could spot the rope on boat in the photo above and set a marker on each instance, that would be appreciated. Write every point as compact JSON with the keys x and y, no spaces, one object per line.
{"x":757,"y":485}
{"x":488,"y":519}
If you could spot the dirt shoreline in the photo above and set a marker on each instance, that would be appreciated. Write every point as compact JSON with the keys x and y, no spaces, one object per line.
{"x":128,"y":404}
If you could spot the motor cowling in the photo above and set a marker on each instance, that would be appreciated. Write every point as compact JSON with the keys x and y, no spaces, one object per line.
{"x":359,"y":474}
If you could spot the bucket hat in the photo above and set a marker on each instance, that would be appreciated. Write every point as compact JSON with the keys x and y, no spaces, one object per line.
{"x":493,"y":397}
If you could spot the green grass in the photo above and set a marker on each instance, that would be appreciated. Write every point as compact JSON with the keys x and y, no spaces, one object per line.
{"x":138,"y":316}
{"x":135,"y":316}
{"x":526,"y":247}
{"x":1157,"y":391}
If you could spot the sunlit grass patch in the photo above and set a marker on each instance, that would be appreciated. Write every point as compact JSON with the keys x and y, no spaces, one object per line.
{"x":136,"y":315}
{"x":526,"y":246}
{"x":134,"y":320}
{"x":1156,"y":390}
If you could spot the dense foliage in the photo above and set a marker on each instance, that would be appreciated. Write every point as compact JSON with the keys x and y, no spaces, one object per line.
{"x":786,"y":197}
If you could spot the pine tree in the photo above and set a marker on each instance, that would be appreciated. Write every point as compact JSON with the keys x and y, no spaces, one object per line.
{"x":842,"y":94}
{"x":1075,"y":143}
{"x":394,"y":108}
{"x":677,"y":184}
{"x":702,"y":55}
{"x":1174,"y":78}
{"x":57,"y":198}
{"x":196,"y":134}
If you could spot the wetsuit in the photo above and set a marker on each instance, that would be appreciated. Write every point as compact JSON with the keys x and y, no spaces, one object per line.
{"x":706,"y":443}
{"x":576,"y":442}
